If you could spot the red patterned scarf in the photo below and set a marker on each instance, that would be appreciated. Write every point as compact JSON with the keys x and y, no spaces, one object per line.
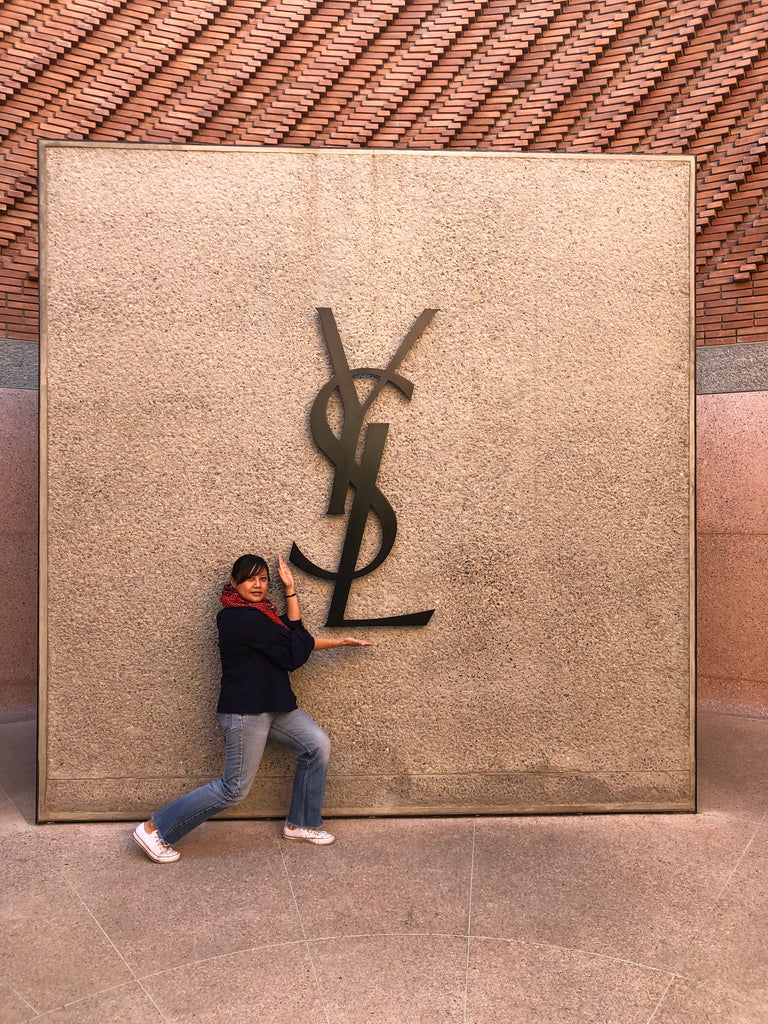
{"x":231,"y":599}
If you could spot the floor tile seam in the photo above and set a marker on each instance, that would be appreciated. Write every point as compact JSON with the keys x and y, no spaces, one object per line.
{"x":11,"y":801}
{"x":221,"y":956}
{"x":16,"y":819}
{"x":8,"y":985}
{"x":319,"y":991}
{"x":82,"y":999}
{"x":139,"y":979}
{"x":707,"y":914}
{"x":296,"y":942}
{"x":734,"y":995}
{"x":68,"y":882}
{"x":103,"y":931}
{"x":342,"y":936}
{"x":582,"y":952}
{"x":758,"y":826}
{"x":346,"y":936}
{"x":671,"y":973}
{"x":494,"y":938}
{"x":19,"y":823}
{"x":763,"y":825}
{"x":658,"y":1005}
{"x":127,"y":984}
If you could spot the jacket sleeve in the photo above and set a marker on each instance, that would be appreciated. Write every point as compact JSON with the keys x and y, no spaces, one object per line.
{"x":288,"y":648}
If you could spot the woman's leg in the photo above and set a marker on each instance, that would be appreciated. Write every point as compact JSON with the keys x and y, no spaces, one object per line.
{"x":246,"y":737}
{"x":297,"y":731}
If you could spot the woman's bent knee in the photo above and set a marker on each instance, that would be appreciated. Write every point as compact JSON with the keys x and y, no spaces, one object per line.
{"x":323,"y":746}
{"x":233,"y":791}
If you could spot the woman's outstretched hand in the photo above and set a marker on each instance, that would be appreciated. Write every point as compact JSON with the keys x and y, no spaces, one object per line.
{"x":327,"y":643}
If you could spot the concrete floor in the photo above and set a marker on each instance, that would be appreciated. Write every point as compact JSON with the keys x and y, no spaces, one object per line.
{"x":619,"y":919}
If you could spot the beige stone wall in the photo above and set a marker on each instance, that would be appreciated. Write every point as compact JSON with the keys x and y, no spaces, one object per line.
{"x":540,"y":472}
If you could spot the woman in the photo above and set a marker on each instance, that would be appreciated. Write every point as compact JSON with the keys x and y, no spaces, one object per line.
{"x":258,"y":649}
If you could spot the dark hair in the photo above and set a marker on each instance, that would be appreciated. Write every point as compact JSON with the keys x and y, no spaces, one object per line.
{"x":247,"y":566}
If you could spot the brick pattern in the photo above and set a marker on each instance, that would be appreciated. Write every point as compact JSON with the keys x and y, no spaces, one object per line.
{"x":648,"y":76}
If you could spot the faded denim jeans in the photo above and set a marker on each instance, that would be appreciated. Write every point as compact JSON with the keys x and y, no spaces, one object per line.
{"x":246,"y":737}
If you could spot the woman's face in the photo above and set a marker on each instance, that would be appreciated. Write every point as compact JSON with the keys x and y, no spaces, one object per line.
{"x":255,"y":587}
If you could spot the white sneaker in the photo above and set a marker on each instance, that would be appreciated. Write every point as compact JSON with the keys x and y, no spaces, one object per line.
{"x":310,"y":835}
{"x":154,"y":847}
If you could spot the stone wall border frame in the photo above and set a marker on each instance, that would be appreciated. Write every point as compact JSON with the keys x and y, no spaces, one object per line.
{"x":528,"y":805}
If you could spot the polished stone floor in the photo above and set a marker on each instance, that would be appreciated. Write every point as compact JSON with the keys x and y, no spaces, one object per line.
{"x":617,"y":919}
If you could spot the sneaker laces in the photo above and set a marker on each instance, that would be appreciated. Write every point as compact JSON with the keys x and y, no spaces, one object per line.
{"x":165,"y":847}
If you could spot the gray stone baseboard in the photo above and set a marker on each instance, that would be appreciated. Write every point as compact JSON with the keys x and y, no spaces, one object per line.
{"x":721,"y":369}
{"x":18,"y":364}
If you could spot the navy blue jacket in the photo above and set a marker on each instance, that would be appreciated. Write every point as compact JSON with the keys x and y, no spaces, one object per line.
{"x":256,"y":657}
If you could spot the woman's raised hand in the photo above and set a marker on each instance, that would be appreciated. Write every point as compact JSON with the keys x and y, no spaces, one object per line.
{"x":286,"y":576}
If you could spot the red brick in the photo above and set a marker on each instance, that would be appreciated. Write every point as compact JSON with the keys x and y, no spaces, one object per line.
{"x":652,"y":77}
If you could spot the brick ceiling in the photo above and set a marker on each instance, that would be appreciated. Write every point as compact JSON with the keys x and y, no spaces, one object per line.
{"x":650,"y":76}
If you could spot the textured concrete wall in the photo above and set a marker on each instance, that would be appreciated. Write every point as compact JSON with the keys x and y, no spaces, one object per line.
{"x":540,"y":472}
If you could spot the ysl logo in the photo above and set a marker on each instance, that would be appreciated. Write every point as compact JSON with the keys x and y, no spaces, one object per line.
{"x":359,"y":475}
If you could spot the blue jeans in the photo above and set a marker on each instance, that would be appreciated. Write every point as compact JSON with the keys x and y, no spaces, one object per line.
{"x":246,"y":737}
